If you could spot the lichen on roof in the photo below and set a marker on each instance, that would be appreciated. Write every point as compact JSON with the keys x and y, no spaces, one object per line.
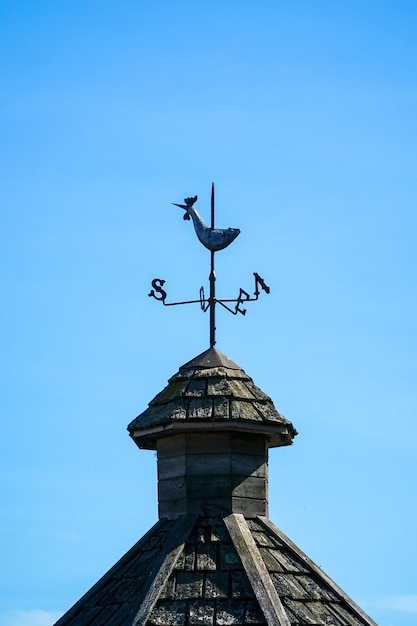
{"x":205,"y":570}
{"x":211,"y":388}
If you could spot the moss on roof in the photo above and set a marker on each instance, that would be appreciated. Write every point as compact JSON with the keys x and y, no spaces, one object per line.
{"x":211,"y":388}
{"x":205,"y":570}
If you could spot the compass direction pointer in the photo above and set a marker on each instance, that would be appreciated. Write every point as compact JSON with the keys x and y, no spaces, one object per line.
{"x":214,"y":239}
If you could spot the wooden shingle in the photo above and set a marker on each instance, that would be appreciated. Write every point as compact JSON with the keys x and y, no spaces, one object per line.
{"x":206,"y":389}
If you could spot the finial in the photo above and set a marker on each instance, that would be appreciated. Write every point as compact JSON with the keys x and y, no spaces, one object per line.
{"x":214,"y":239}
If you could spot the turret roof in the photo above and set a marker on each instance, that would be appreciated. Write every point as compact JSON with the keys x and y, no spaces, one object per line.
{"x":211,"y":391}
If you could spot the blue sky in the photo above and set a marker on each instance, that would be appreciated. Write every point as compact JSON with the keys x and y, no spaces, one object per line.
{"x":304,"y":115}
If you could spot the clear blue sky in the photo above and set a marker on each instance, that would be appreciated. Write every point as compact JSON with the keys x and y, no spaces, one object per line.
{"x":304,"y":115}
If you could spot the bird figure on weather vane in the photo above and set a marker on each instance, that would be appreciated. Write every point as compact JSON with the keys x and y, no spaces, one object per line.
{"x":214,"y":239}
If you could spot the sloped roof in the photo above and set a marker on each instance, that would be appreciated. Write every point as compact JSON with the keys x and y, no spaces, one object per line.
{"x":215,"y":572}
{"x":211,"y":389}
{"x":201,"y":570}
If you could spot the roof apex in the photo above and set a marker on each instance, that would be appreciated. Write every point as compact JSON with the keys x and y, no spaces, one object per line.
{"x":210,"y":358}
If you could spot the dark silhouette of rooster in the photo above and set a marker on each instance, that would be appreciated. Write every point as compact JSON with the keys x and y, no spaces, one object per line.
{"x":213,"y":239}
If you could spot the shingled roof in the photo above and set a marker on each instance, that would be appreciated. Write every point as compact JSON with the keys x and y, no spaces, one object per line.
{"x":213,"y":558}
{"x":211,"y":391}
{"x":215,"y":572}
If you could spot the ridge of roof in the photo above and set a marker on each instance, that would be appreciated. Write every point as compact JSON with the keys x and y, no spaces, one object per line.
{"x":215,"y":570}
{"x":266,"y":526}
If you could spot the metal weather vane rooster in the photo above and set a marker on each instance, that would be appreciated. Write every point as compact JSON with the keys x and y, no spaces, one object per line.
{"x":214,"y":239}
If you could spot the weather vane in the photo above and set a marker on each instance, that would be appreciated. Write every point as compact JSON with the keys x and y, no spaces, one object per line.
{"x":214,"y":239}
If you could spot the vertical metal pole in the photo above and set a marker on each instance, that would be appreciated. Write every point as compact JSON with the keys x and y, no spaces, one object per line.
{"x":212,"y":205}
{"x":212,"y":282}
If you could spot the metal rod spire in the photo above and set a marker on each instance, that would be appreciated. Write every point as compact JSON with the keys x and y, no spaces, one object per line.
{"x":212,"y":205}
{"x":212,"y":282}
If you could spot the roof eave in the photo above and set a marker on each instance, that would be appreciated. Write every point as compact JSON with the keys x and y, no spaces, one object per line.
{"x":277,"y":435}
